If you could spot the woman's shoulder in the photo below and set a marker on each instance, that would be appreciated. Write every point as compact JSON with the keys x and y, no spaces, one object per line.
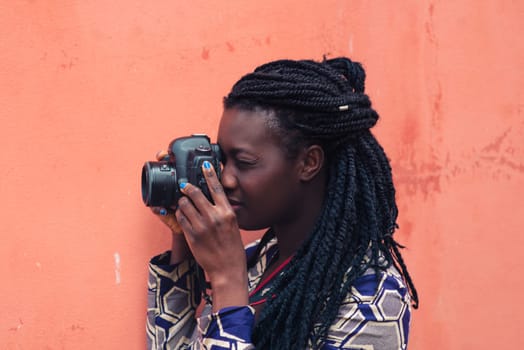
{"x":377,"y":287}
{"x":376,"y":313}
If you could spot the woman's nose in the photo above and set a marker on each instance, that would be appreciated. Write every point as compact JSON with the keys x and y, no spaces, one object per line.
{"x":228,"y":179}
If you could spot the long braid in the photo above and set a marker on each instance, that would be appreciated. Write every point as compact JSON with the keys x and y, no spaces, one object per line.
{"x":324,"y":103}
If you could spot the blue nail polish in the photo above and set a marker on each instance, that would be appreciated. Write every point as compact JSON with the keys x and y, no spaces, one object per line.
{"x":182,"y":185}
{"x":207,"y":165}
{"x":163,"y":212}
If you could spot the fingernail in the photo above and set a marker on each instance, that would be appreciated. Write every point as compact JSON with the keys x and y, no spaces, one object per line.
{"x":207,"y":165}
{"x":163,"y":212}
{"x":162,"y":155}
{"x":182,"y":185}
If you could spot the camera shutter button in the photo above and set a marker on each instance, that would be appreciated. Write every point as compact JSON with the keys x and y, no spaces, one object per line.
{"x":203,"y":149}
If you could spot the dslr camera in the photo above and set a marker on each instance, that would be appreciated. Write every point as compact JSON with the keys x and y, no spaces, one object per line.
{"x":183,"y":163}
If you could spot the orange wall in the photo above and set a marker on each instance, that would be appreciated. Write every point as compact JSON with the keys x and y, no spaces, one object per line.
{"x":89,"y":90}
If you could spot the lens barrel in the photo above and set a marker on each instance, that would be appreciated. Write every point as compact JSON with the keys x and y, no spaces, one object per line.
{"x":159,"y":184}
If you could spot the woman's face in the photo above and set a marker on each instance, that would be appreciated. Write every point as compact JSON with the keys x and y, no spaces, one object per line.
{"x":262,"y":185}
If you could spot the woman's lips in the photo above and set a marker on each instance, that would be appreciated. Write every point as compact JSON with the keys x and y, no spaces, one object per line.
{"x":235,"y":204}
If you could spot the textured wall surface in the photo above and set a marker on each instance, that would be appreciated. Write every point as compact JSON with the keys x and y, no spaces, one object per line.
{"x":89,"y":90}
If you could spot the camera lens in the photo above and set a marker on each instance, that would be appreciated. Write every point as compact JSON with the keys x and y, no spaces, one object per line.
{"x":159,"y":184}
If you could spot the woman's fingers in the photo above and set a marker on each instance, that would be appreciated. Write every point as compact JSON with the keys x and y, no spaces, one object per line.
{"x":198,"y":216}
{"x":162,"y":155}
{"x":184,"y":224}
{"x":202,"y":204}
{"x":188,"y":216}
{"x":215,"y":187}
{"x":167,"y":216}
{"x":202,"y":215}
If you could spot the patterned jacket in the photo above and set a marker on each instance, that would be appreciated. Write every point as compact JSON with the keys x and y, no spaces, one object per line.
{"x":375,"y":315}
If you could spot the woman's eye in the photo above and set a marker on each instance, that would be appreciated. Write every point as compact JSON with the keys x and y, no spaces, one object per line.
{"x":245,"y":163}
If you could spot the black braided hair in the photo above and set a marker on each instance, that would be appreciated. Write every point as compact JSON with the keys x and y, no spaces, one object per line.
{"x":324,"y":103}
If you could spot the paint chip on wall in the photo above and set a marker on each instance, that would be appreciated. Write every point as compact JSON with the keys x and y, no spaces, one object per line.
{"x":117,"y":267}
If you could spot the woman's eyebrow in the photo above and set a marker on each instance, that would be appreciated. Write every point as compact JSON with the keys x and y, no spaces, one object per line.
{"x":235,"y":150}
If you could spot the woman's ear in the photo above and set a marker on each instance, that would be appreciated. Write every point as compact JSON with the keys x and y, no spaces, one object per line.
{"x":312,"y":162}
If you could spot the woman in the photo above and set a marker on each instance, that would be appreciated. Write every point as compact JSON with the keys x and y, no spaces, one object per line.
{"x":299,"y":159}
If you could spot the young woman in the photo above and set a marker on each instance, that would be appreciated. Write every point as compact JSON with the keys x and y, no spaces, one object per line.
{"x":298,"y":159}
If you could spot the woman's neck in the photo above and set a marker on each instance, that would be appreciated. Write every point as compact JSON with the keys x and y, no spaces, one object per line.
{"x":292,"y":234}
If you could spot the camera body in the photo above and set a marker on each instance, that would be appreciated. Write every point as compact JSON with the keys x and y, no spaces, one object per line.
{"x":161,"y":179}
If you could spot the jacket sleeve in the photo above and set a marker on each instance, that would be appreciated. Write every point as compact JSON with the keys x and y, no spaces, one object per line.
{"x":376,"y":315}
{"x":172,"y":321}
{"x":229,"y":328}
{"x":172,"y":302}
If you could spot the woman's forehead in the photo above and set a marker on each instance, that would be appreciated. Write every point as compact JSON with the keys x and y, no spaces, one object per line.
{"x":245,"y":127}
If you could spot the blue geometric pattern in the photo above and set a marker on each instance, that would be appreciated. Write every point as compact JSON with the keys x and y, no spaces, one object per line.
{"x":375,"y":315}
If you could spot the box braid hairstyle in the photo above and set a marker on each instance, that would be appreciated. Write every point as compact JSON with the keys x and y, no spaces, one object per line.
{"x":324,"y":103}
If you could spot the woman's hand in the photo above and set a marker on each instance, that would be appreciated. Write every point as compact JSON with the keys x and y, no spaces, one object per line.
{"x":167,"y":216}
{"x":212,"y":233}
